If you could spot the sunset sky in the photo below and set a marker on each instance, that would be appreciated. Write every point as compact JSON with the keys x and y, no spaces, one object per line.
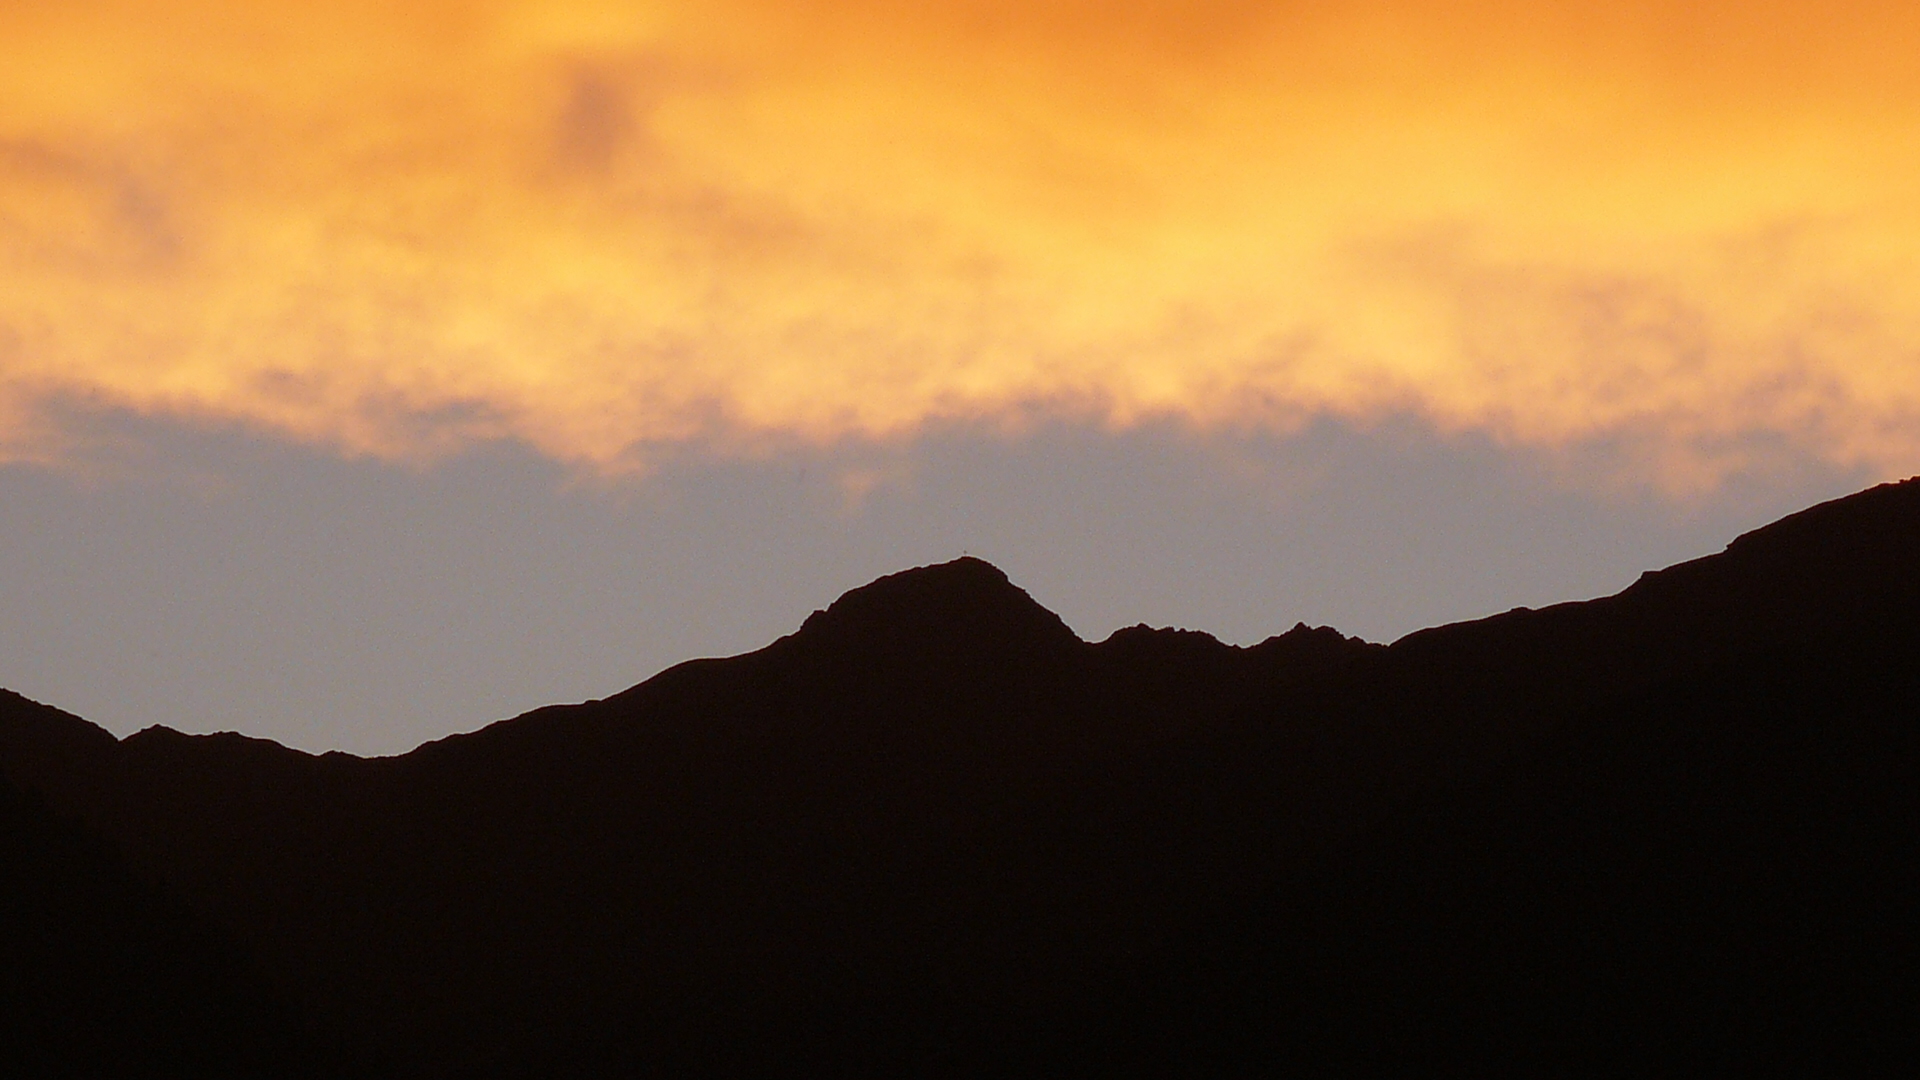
{"x":372,"y":370}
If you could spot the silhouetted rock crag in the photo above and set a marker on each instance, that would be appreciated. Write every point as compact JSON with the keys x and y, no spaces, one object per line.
{"x":933,"y":830}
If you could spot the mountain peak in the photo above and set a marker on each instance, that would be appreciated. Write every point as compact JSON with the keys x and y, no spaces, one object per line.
{"x":35,"y":737}
{"x":967,"y":602}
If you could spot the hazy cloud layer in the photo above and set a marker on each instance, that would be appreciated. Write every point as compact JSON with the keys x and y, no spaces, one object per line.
{"x":1689,"y":231}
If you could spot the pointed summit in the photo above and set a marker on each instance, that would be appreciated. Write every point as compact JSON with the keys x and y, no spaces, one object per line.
{"x":966,"y":605}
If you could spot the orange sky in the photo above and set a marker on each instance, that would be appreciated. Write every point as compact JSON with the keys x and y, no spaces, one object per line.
{"x":395,"y":229}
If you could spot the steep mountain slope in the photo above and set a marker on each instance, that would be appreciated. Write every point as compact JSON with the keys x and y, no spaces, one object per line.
{"x":932,"y":828}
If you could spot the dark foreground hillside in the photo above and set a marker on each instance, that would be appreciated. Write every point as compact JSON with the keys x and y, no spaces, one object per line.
{"x":934,"y":831}
{"x":102,"y":974}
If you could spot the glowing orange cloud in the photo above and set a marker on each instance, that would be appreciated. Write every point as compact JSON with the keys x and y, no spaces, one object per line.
{"x":1690,"y":229}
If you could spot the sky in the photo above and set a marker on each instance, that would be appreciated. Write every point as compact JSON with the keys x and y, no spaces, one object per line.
{"x":372,"y":371}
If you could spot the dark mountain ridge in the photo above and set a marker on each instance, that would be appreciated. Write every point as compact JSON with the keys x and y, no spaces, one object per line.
{"x":933,"y":829}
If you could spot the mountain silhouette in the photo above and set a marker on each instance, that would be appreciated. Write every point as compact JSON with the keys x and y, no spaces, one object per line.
{"x":934,"y":831}
{"x":103,"y":974}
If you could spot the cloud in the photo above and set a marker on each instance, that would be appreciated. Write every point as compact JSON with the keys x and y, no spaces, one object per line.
{"x":599,"y":228}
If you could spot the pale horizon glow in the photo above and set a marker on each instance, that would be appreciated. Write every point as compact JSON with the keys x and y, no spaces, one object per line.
{"x":399,"y":230}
